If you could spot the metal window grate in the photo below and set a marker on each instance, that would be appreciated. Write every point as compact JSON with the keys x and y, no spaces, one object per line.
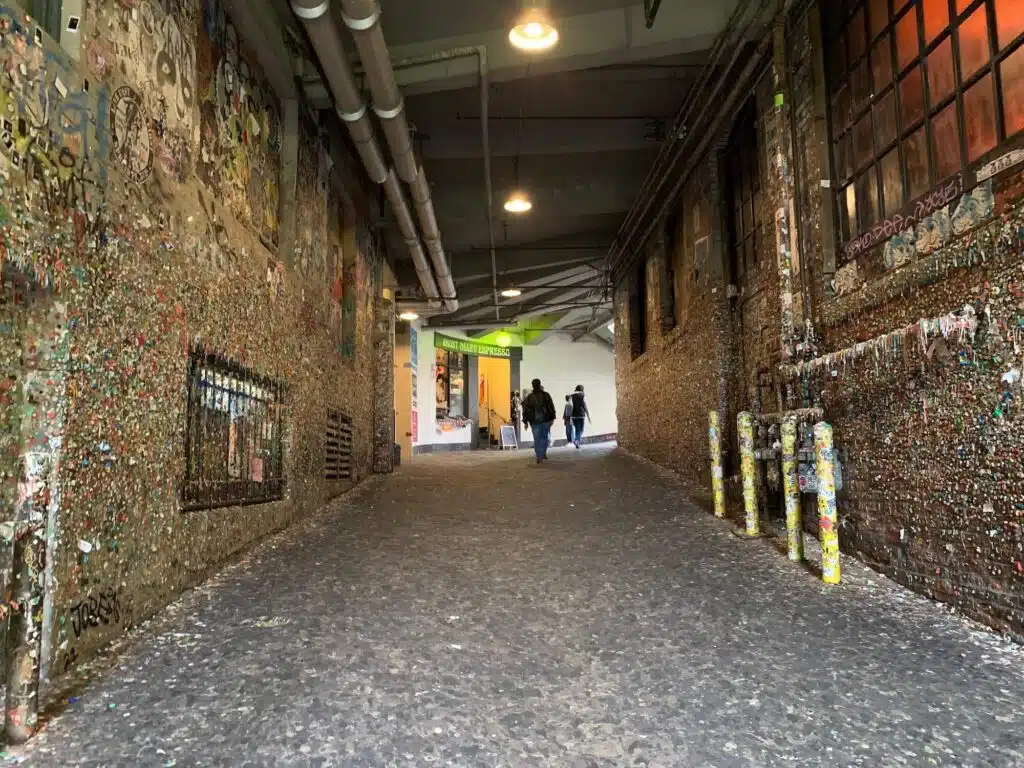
{"x":338,"y":446}
{"x":233,"y":437}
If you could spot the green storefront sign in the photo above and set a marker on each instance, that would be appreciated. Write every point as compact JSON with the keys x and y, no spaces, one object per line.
{"x":475,"y":348}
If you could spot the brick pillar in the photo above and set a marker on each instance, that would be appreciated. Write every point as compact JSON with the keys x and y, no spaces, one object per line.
{"x":782,"y":189}
{"x":288,"y":179}
{"x":719,"y":279}
{"x":383,"y":386}
{"x":820,"y":140}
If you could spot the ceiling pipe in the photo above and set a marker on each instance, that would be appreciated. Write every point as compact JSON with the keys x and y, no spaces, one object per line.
{"x":478,"y":52}
{"x":362,"y":17}
{"x":326,"y":39}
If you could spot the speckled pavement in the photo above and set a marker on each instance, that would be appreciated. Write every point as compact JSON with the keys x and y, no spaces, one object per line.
{"x":478,"y":610}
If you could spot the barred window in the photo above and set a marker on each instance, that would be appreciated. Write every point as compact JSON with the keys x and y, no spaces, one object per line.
{"x":920,"y":90}
{"x":233,"y":437}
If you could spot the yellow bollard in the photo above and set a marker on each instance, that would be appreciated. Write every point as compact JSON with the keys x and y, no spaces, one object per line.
{"x":791,"y":492}
{"x":745,"y":422}
{"x":717,"y":480}
{"x":828,"y":530}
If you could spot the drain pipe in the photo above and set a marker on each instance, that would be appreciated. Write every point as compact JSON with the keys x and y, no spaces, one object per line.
{"x":326,"y":39}
{"x":479,"y":52}
{"x":362,"y":17}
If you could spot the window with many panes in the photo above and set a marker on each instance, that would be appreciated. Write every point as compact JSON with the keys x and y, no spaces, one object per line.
{"x":920,"y":89}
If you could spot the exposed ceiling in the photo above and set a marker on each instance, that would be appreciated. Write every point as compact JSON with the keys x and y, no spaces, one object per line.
{"x":577,"y":128}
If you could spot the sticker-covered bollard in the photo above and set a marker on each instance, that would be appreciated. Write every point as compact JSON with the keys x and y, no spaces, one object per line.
{"x":791,"y":492}
{"x":745,"y":422}
{"x":828,"y":529}
{"x":717,"y":479}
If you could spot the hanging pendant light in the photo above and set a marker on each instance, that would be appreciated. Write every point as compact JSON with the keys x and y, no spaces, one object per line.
{"x":534,"y":30}
{"x":518,"y":202}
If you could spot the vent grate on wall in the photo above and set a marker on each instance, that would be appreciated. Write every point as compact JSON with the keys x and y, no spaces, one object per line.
{"x":338,"y":446}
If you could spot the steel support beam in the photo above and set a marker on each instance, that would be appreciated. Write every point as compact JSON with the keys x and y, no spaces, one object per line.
{"x":589,"y":40}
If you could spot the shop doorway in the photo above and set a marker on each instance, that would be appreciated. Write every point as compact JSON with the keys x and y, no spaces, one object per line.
{"x":494,"y":399}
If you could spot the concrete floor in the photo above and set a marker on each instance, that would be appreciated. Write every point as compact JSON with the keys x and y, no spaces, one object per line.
{"x":478,"y":610}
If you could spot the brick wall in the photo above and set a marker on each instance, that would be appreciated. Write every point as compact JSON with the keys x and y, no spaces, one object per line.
{"x":665,"y":394}
{"x":139,"y":199}
{"x":929,"y":433}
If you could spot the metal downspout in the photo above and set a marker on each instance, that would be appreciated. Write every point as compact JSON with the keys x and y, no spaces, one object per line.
{"x":326,"y":39}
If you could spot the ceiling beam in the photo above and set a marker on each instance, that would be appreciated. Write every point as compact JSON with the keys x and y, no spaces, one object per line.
{"x":600,"y":318}
{"x":509,"y":306}
{"x":477,"y":261}
{"x":460,"y":140}
{"x":568,"y":277}
{"x":580,"y":314}
{"x":575,"y":196}
{"x":589,"y":40}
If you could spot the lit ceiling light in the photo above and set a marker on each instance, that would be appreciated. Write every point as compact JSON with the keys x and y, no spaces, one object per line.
{"x":534,"y":31}
{"x":518,"y":202}
{"x":611,"y":326}
{"x":511,"y":293}
{"x":409,"y":316}
{"x":503,"y":339}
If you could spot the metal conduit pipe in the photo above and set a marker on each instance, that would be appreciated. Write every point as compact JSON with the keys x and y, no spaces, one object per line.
{"x":326,"y":39}
{"x":478,"y":52}
{"x":729,"y":41}
{"x":362,"y":17}
{"x":403,"y":217}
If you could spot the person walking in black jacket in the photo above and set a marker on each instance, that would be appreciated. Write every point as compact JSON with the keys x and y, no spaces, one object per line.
{"x":580,"y":414}
{"x":539,"y":414}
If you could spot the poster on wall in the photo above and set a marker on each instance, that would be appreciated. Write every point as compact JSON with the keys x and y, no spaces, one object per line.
{"x":413,"y":362}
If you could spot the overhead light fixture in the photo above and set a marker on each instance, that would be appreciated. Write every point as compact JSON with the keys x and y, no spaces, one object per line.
{"x":511,"y":293}
{"x":534,"y":30}
{"x":611,"y":326}
{"x":517,"y":203}
{"x":409,"y":316}
{"x":503,"y":339}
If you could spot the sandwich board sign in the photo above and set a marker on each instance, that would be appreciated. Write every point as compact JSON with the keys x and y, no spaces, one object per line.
{"x":508,"y":438}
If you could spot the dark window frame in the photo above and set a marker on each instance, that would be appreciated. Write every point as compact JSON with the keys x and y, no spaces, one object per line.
{"x":836,"y":34}
{"x":463,"y":366}
{"x":48,"y":13}
{"x":672,"y":245}
{"x":743,"y":193}
{"x":233,"y":418}
{"x":638,"y":310}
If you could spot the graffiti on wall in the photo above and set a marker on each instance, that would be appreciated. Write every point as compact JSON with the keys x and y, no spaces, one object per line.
{"x":929,"y":233}
{"x":311,"y":212}
{"x":240,"y":126}
{"x":48,"y":139}
{"x":151,"y":44}
{"x":924,"y":235}
{"x":95,"y":610}
{"x":906,"y":221}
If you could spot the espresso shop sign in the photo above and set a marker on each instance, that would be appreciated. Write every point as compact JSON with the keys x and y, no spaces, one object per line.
{"x":475,"y":348}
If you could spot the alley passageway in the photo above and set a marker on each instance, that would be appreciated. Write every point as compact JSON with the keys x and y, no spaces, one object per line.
{"x":478,"y":610}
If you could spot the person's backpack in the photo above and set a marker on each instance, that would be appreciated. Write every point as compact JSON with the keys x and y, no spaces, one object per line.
{"x":531,"y":409}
